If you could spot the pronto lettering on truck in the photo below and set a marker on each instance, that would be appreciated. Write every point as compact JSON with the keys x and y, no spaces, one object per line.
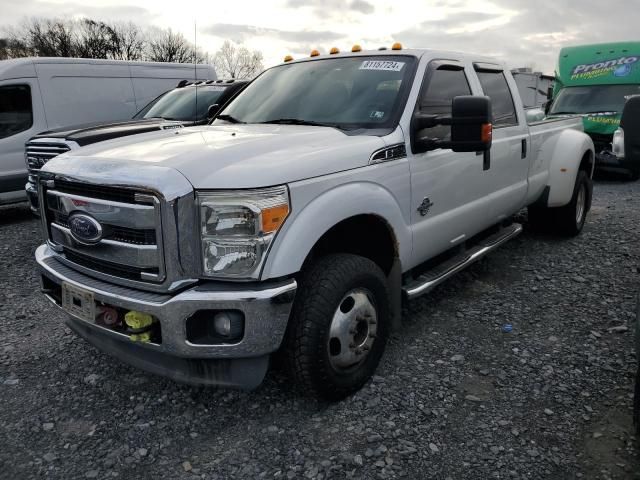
{"x":331,"y":190}
{"x":595,"y":81}
{"x":620,"y":67}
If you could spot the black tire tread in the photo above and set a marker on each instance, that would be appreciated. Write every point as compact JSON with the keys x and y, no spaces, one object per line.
{"x":315,"y":299}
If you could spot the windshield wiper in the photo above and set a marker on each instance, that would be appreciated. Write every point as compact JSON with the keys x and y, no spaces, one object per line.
{"x":228,"y":118}
{"x":298,"y":121}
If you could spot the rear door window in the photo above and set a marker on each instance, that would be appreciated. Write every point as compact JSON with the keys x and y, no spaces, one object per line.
{"x":16,"y":112}
{"x":494,"y":85}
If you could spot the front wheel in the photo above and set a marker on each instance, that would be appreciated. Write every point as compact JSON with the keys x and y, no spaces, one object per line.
{"x":339,"y":325}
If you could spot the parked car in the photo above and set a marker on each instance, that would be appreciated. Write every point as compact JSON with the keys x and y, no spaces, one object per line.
{"x":636,"y":396}
{"x":595,"y":81}
{"x":627,"y":144}
{"x":37,"y":94}
{"x":329,"y":189}
{"x":191,"y":103}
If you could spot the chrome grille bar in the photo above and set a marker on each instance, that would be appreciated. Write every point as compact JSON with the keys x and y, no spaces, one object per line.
{"x":39,"y":153}
{"x":131,"y":242}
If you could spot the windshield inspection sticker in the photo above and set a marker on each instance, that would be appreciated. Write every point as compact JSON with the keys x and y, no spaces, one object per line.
{"x":387,"y":65}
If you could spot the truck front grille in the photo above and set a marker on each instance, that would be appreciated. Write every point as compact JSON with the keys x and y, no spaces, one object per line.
{"x":39,"y":153}
{"x":130,"y":245}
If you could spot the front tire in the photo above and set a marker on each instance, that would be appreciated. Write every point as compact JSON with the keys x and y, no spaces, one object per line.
{"x":339,"y":325}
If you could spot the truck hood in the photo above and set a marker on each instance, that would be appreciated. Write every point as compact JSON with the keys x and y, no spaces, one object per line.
{"x":229,"y":156}
{"x":88,"y":134}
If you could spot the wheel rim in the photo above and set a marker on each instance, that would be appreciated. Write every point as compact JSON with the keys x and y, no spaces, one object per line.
{"x":580,"y":204}
{"x":353,"y":330}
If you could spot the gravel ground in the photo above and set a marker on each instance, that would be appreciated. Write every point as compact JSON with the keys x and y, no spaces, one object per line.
{"x":454,"y":397}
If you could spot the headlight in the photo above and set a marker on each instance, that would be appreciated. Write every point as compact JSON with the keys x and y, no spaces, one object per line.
{"x":237,"y":227}
{"x":618,"y":143}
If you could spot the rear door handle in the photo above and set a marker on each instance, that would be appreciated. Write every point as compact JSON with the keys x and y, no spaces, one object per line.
{"x":524,"y":148}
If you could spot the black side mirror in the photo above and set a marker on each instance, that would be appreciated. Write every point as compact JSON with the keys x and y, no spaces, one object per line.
{"x":471,"y":129}
{"x":213,"y":109}
{"x":470,"y":122}
{"x":630,"y":124}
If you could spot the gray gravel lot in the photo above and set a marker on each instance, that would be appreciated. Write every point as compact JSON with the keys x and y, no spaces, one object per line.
{"x":454,"y":397}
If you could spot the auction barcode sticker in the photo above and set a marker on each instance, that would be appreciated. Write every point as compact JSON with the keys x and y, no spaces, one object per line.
{"x":382,"y":65}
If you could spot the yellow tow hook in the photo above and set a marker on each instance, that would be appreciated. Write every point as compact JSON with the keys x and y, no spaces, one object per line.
{"x":139,"y":326}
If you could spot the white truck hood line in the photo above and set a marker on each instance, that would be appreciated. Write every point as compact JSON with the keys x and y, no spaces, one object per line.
{"x":233,"y":156}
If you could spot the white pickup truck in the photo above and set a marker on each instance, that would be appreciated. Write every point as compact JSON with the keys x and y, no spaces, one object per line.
{"x":330,"y":189}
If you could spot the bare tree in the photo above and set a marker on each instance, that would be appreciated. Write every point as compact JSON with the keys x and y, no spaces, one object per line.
{"x":237,"y":61}
{"x":96,"y":40}
{"x":48,"y":38}
{"x":169,"y":46}
{"x":130,"y":42}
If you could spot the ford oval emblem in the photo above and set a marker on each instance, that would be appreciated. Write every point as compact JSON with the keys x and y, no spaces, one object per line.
{"x":85,"y":228}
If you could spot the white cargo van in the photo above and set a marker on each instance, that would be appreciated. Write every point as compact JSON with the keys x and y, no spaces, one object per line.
{"x":38,"y":94}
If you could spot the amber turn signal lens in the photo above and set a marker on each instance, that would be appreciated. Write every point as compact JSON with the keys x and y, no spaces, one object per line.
{"x":274,"y":217}
{"x":487,"y":133}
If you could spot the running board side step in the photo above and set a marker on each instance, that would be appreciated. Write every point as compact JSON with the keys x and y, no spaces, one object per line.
{"x":438,"y":274}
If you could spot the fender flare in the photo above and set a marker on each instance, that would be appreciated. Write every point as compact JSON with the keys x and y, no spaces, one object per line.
{"x":564,"y":165}
{"x":301,"y":232}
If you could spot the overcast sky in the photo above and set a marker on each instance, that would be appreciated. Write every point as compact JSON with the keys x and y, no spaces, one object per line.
{"x":521,"y":32}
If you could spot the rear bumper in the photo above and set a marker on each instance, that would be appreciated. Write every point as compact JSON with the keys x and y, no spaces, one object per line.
{"x":266,"y":309}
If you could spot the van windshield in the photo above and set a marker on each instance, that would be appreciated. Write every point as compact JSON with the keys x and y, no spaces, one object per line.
{"x":347,"y":93}
{"x":180,"y":104}
{"x":16,"y":114}
{"x":593,"y":99}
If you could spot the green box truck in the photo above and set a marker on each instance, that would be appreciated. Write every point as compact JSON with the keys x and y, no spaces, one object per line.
{"x":595,"y":81}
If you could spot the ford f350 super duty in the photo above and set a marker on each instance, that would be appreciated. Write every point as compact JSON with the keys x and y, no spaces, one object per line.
{"x":330,"y":189}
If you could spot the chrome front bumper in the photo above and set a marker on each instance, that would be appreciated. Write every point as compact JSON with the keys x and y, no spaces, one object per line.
{"x":266,"y":308}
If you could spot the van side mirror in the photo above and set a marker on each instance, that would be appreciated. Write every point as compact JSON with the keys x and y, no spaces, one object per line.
{"x":471,"y":129}
{"x":213,"y":109}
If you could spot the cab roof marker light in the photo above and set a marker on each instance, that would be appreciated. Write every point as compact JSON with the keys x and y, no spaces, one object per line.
{"x":396,"y":46}
{"x":356,"y":48}
{"x":314,"y":53}
{"x":334,"y":50}
{"x":382,"y":48}
{"x":288,"y":58}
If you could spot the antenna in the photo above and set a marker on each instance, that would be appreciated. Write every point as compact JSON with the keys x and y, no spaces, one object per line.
{"x":195,"y":68}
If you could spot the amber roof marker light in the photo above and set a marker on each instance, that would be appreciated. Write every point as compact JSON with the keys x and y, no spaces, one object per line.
{"x":356,"y":48}
{"x":396,"y":46}
{"x":288,"y":58}
{"x":314,"y":53}
{"x":334,"y":50}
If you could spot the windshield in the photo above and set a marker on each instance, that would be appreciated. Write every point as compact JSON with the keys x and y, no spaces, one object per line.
{"x":593,"y":99}
{"x":349,"y":93}
{"x":180,"y":104}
